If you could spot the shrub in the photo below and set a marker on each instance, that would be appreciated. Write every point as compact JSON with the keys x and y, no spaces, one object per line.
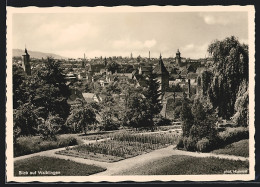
{"x":50,"y":127}
{"x":231,"y":135}
{"x":160,"y":120}
{"x":180,"y":144}
{"x":203,"y":145}
{"x":33,"y":144}
{"x":189,"y":143}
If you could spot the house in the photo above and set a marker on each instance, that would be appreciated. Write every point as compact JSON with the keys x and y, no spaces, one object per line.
{"x":92,"y":97}
{"x":75,"y":97}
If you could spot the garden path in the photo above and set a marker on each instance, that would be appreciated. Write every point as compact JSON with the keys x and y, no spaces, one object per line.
{"x":134,"y":162}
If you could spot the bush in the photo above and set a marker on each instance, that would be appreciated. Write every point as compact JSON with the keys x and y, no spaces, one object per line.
{"x":189,"y":143}
{"x":231,"y":135}
{"x":33,"y":144}
{"x":203,"y":145}
{"x":160,"y":121}
{"x":180,"y":144}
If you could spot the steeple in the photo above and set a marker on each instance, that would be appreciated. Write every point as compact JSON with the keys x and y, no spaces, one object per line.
{"x":26,"y":62}
{"x":162,"y":74}
{"x":160,"y":68}
{"x":178,"y":58}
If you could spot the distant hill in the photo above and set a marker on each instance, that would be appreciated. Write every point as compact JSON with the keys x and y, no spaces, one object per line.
{"x":36,"y":54}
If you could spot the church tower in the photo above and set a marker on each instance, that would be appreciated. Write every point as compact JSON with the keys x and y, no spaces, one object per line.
{"x":178,"y":58}
{"x":83,"y":63}
{"x":162,"y":75}
{"x":26,"y":62}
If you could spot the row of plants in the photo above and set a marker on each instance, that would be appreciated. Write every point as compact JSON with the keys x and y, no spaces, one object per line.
{"x":154,"y":138}
{"x":123,"y":145}
{"x":124,"y":149}
{"x":33,"y":144}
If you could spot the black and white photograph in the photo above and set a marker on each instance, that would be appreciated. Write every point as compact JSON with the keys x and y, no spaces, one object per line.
{"x":130,"y":94}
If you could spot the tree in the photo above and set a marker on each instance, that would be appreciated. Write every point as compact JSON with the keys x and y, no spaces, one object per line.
{"x":48,"y":90}
{"x":113,"y":67}
{"x":25,"y":120}
{"x":109,"y":113}
{"x":19,"y":86}
{"x":230,"y":70}
{"x":82,"y":116}
{"x":136,"y":111}
{"x":49,"y":128}
{"x":241,"y":115}
{"x":153,"y":99}
{"x":186,"y":117}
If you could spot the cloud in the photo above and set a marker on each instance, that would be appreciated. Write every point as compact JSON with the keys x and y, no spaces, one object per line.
{"x":60,"y":35}
{"x":194,"y":50}
{"x":128,"y":44}
{"x":188,"y":47}
{"x":221,"y":19}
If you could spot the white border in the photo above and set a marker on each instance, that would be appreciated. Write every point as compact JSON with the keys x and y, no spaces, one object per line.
{"x":9,"y":112}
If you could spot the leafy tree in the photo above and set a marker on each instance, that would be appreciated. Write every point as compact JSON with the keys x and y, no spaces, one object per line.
{"x":136,"y":112}
{"x":48,"y":90}
{"x":19,"y":86}
{"x":241,"y":105}
{"x":25,"y":120}
{"x":49,"y":128}
{"x":113,"y":67}
{"x":109,"y":113}
{"x":81,"y":117}
{"x":112,"y":88}
{"x":230,"y":70}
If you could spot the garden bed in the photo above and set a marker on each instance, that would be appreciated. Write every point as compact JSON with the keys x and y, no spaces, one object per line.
{"x":122,"y":146}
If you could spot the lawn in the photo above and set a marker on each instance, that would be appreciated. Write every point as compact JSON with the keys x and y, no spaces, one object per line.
{"x":121,"y":146}
{"x":187,"y":165}
{"x":240,"y":148}
{"x":46,"y":166}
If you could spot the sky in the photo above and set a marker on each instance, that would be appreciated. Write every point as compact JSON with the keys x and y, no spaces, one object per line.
{"x":120,"y":34}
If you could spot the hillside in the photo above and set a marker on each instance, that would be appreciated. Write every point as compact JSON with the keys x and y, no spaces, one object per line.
{"x":36,"y":54}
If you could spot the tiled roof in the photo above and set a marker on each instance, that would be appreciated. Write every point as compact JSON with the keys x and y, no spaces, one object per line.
{"x":160,"y":68}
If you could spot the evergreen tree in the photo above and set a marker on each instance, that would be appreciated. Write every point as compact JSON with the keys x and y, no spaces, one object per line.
{"x":153,"y":99}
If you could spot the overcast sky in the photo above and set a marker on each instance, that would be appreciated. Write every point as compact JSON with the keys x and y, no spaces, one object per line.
{"x":119,"y":34}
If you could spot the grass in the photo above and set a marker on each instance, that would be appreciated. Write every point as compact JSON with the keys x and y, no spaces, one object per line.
{"x":33,"y":144}
{"x":240,"y":148}
{"x":187,"y":165}
{"x":46,"y":166}
{"x":122,"y":146}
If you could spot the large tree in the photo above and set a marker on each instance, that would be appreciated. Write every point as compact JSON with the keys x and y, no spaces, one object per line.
{"x":81,"y":117}
{"x":230,"y":70}
{"x":153,"y":99}
{"x":49,"y":90}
